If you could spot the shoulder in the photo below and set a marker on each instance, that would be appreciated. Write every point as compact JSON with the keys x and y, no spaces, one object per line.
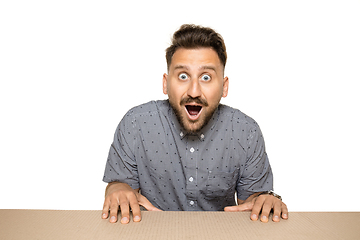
{"x":138,"y":115}
{"x":244,"y":128}
{"x":237,"y":117}
{"x":147,"y":109}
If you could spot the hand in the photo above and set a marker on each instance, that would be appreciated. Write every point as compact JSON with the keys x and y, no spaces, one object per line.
{"x":264,"y":204}
{"x":121,"y":194}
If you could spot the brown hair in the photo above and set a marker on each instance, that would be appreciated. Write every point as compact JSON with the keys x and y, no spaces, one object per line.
{"x":191,"y":36}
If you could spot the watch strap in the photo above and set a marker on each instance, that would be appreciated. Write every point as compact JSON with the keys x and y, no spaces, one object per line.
{"x":271,"y":193}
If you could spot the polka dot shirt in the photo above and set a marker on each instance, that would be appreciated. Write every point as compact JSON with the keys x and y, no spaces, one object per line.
{"x":176,"y":170}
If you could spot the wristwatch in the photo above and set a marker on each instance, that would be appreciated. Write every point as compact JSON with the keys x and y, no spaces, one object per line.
{"x":271,"y":193}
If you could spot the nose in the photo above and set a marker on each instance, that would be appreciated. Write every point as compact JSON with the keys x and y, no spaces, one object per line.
{"x":194,"y":89}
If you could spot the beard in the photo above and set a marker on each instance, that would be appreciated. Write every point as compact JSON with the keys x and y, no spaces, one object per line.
{"x":192,"y":126}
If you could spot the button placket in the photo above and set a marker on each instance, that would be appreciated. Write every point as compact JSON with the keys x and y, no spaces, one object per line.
{"x":191,"y":162}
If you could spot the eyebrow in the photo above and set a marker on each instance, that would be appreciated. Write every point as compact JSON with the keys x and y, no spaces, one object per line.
{"x":210,"y":67}
{"x":181,"y":67}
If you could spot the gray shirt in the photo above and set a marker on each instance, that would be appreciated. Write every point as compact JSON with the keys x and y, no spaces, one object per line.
{"x":179,"y":171}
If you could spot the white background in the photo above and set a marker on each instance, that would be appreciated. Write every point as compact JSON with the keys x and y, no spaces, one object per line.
{"x":70,"y":70}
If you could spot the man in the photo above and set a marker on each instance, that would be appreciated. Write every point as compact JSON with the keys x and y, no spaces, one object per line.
{"x":190,"y":152}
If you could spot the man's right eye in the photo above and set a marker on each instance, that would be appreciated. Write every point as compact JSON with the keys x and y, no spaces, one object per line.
{"x":183,"y":76}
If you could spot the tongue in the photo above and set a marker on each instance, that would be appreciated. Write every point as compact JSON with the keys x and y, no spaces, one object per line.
{"x":193,"y":110}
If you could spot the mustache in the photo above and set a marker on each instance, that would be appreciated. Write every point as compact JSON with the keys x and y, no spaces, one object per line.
{"x":197,"y":100}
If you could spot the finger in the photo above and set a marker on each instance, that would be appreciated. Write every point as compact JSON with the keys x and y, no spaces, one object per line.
{"x":105,"y":211}
{"x":135,"y":208}
{"x":125,"y":211}
{"x":266,"y":208}
{"x":114,"y":207}
{"x":143,"y":201}
{"x":258,"y":204}
{"x":247,"y":206}
{"x":277,"y":211}
{"x":284,"y":210}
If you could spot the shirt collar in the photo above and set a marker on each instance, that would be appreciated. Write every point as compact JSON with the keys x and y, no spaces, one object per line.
{"x":200,"y":134}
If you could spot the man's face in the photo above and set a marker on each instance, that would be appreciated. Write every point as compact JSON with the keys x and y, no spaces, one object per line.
{"x":195,"y":84}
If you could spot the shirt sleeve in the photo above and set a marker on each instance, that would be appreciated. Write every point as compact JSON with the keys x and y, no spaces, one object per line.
{"x":256,"y":174}
{"x":121,"y":163}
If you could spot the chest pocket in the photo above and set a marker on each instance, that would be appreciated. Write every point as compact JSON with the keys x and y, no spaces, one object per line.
{"x":221,"y":184}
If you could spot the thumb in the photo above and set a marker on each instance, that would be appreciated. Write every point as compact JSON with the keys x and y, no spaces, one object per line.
{"x":246,"y":206}
{"x":143,"y":201}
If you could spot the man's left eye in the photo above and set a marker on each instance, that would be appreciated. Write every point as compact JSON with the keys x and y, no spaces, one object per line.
{"x":205,"y":77}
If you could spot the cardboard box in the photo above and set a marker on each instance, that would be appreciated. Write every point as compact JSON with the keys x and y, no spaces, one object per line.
{"x":50,"y":224}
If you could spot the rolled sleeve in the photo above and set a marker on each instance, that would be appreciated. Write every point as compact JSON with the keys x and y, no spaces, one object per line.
{"x":257,"y":174}
{"x":121,"y":163}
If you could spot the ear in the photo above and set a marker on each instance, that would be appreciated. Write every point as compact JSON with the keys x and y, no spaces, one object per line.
{"x":225,"y":87}
{"x":165,"y":83}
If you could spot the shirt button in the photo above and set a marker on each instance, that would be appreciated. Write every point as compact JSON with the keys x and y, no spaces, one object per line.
{"x":202,"y":136}
{"x":191,"y":179}
{"x":181,"y":134}
{"x":192,"y":203}
{"x":192,"y":150}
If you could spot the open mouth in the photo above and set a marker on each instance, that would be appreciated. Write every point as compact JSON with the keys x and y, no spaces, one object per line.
{"x":193,"y":111}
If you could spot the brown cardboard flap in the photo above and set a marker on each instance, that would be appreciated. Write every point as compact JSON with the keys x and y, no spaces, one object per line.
{"x":48,"y":224}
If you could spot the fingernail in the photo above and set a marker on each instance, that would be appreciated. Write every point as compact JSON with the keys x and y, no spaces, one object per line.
{"x":263,"y":218}
{"x":104,"y":215}
{"x":124,"y":220}
{"x":276,"y":218}
{"x":136,"y":219}
{"x":253,"y":217}
{"x":113,"y":219}
{"x":284,"y":215}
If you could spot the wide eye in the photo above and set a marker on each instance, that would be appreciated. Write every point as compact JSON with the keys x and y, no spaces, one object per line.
{"x":183,"y":76}
{"x":205,"y":77}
